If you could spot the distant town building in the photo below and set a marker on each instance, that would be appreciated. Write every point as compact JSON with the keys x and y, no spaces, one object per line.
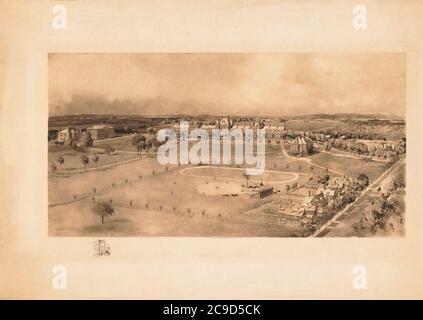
{"x":277,"y":127}
{"x":101,"y":132}
{"x":224,"y":123}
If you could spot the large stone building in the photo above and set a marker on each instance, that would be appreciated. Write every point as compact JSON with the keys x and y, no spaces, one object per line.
{"x":101,"y":132}
{"x":301,"y":146}
{"x":224,"y":123}
{"x":263,"y":192}
{"x":68,"y":134}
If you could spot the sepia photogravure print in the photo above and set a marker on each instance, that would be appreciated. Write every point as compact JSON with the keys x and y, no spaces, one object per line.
{"x":196,"y":149}
{"x":226,"y":144}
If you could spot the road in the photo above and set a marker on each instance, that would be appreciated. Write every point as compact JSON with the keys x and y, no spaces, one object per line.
{"x":115,"y":138}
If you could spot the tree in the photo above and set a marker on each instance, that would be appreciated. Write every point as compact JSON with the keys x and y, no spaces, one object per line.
{"x":151,"y":131}
{"x":60,"y":160}
{"x":399,"y":182}
{"x":53,"y":167}
{"x":136,"y":139}
{"x":142,"y":145}
{"x":363,"y":179}
{"x":103,"y":209}
{"x":96,"y":158}
{"x":85,"y":160}
{"x":86,"y":139}
{"x":247,"y":177}
{"x":324,"y":179}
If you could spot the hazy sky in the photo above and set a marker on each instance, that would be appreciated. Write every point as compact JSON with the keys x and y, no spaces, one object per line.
{"x":221,"y":84}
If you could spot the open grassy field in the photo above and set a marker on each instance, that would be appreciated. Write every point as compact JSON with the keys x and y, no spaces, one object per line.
{"x":63,"y":188}
{"x":165,"y":204}
{"x":72,"y":158}
{"x":123,"y":143}
{"x":238,"y":174}
{"x":310,"y":125}
{"x":155,"y":200}
{"x":350,"y":167}
{"x":78,"y":220}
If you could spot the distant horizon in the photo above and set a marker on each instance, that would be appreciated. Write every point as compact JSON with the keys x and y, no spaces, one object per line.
{"x":229,"y":115}
{"x":227,"y":83}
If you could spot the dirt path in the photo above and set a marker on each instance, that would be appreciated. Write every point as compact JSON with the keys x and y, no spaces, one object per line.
{"x":184,"y":173}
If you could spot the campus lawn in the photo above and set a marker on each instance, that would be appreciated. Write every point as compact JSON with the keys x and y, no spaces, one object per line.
{"x":310,"y":125}
{"x":350,"y":167}
{"x":78,"y":220}
{"x":72,"y":158}
{"x":123,"y":143}
{"x":162,"y":193}
{"x":63,"y":188}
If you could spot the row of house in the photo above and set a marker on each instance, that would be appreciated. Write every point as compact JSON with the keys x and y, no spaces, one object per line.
{"x":315,"y":205}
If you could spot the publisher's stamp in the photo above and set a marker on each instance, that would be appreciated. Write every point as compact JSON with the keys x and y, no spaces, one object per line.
{"x":101,"y":248}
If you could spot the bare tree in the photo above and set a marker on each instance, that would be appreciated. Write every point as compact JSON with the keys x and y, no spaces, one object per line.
{"x":53,"y":167}
{"x":85,"y":160}
{"x":60,"y":160}
{"x":96,"y":158}
{"x":247,"y":177}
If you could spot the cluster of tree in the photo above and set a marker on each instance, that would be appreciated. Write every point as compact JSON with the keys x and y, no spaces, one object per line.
{"x":398,"y":182}
{"x":348,"y":132}
{"x":291,"y":186}
{"x":121,"y":131}
{"x":344,"y":139}
{"x":86,"y":140}
{"x":86,"y":160}
{"x":348,"y":145}
{"x":375,"y":122}
{"x":140,"y":142}
{"x":80,"y":143}
{"x":289,"y":134}
{"x":324,"y":179}
{"x":385,"y":214}
{"x":146,"y":142}
{"x":351,"y":191}
{"x":380,"y":216}
{"x":361,"y":148}
{"x":52,"y":134}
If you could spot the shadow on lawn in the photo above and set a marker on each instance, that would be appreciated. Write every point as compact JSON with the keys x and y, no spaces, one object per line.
{"x":112,"y":227}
